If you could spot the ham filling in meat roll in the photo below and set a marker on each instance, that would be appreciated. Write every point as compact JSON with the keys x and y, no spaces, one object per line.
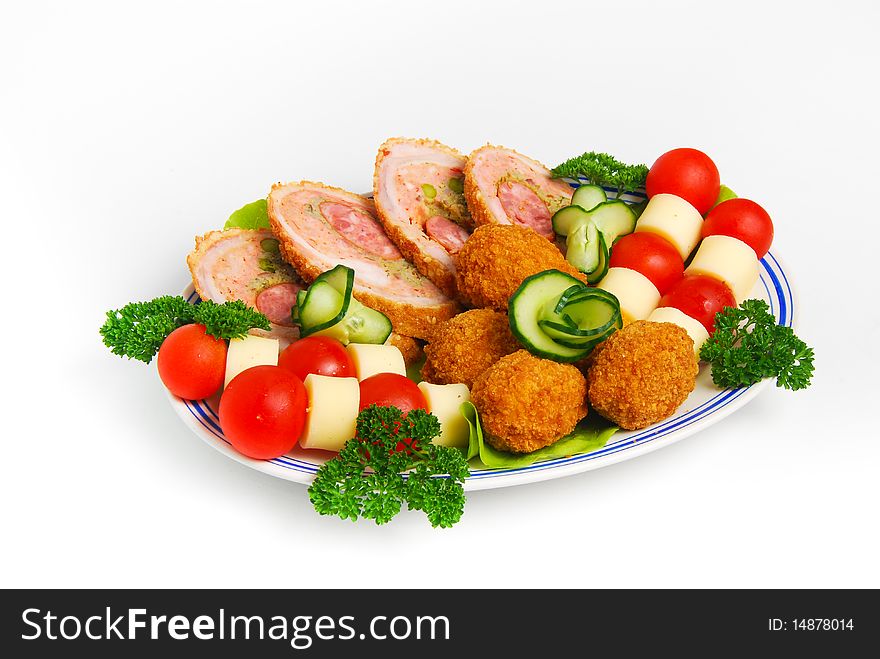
{"x":246,"y":265}
{"x":320,"y":227}
{"x":504,"y":187}
{"x":418,"y":188}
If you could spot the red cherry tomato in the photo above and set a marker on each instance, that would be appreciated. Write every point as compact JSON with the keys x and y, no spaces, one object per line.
{"x":699,"y":297}
{"x":653,"y":256}
{"x":192,"y":363}
{"x":688,"y":173}
{"x":263,"y":411}
{"x":317,"y":354}
{"x":392,"y":389}
{"x":743,"y":219}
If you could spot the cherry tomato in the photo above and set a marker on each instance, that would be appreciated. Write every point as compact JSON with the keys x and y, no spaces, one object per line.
{"x":263,"y":411}
{"x":688,"y":173}
{"x":699,"y":297}
{"x":397,"y":390}
{"x":392,"y":389}
{"x":743,"y":219}
{"x":321,"y":355}
{"x":192,"y":363}
{"x":653,"y":256}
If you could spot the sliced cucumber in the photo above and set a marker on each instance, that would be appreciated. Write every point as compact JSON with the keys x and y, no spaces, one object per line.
{"x":588,"y":196}
{"x":582,"y":246}
{"x":614,"y":218}
{"x":568,"y":217}
{"x":328,"y":308}
{"x":557,"y":317}
{"x":601,"y":268}
{"x":323,"y":307}
{"x":525,"y":310}
{"x":562,"y":334}
{"x":591,"y":315}
{"x":359,"y":325}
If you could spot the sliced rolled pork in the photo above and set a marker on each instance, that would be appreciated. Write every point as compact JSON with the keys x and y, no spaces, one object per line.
{"x":418,"y":190}
{"x":246,"y":265}
{"x":504,"y":187}
{"x":319,"y":227}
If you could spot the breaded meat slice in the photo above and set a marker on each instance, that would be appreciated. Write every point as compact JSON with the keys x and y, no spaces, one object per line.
{"x":320,"y":227}
{"x":526,"y":403}
{"x":504,"y":187}
{"x":498,"y":257}
{"x":418,"y":189}
{"x":642,"y":373}
{"x":461,"y":348}
{"x":246,"y":265}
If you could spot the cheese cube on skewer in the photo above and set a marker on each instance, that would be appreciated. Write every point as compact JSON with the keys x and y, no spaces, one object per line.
{"x":371,"y":359}
{"x":249,"y":351}
{"x":332,"y":411}
{"x":729,"y":260}
{"x":444,"y":402}
{"x":638,"y":297}
{"x":674,"y":219}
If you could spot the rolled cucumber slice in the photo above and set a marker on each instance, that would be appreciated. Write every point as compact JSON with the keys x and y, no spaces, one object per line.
{"x":588,"y":196}
{"x":359,"y":325}
{"x":582,"y":246}
{"x":567,"y":218}
{"x":601,"y":268}
{"x":614,"y":218}
{"x":329,"y":309}
{"x":525,"y":311}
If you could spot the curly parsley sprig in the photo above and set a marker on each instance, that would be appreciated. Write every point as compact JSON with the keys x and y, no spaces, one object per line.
{"x":366,"y":479}
{"x":138,"y":329}
{"x":603,"y":169}
{"x":748,"y":346}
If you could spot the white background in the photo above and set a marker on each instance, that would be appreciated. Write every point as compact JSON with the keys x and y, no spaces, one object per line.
{"x":128,"y":128}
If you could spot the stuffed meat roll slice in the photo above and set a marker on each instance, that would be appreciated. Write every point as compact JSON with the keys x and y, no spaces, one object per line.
{"x":504,"y":187}
{"x":320,"y":227}
{"x":246,"y":265}
{"x":418,"y":188}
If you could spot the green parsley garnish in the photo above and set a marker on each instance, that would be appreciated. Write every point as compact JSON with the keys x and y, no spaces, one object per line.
{"x":138,"y":329}
{"x":748,"y":346}
{"x":366,"y":479}
{"x":603,"y":169}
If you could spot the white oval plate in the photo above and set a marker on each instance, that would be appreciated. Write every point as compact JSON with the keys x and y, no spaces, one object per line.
{"x":706,"y":405}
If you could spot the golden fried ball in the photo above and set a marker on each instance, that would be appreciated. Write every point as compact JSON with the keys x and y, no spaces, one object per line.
{"x":464,"y":346}
{"x":642,"y":373}
{"x":496,"y":259}
{"x":527,"y":403}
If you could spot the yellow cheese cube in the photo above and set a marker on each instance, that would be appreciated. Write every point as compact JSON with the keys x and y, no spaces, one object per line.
{"x":332,"y":412}
{"x":249,"y":351}
{"x":370,"y":359}
{"x":694,"y":328}
{"x":638,"y":297}
{"x":444,"y":402}
{"x":674,"y":219}
{"x":729,"y":260}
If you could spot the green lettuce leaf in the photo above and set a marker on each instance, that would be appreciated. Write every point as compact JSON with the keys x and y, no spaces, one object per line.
{"x":250,"y":216}
{"x":590,"y":434}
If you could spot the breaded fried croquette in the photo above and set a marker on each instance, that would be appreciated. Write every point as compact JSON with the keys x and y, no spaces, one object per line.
{"x":464,"y":346}
{"x":527,"y":403}
{"x":642,"y":373}
{"x":498,"y":257}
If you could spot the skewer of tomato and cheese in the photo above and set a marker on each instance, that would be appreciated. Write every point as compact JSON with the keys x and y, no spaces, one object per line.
{"x":724,"y":271}
{"x":645,"y":264}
